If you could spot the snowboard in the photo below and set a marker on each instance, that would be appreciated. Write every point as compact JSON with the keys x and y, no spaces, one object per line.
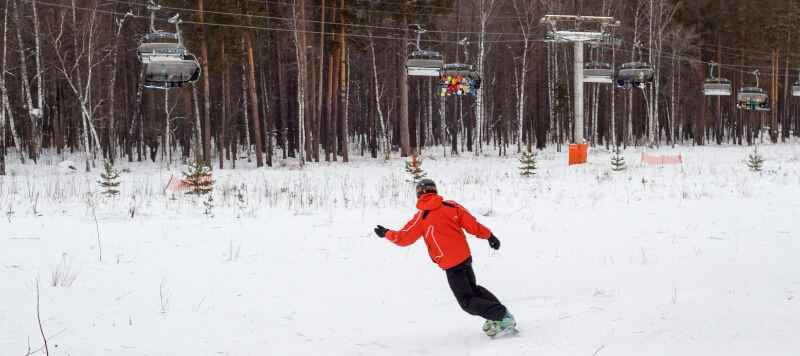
{"x":507,"y":331}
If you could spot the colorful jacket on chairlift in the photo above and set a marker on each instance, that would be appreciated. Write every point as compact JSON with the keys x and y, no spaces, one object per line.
{"x":458,"y":85}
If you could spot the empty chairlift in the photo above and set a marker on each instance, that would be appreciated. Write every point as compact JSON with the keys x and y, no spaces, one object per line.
{"x":423,"y":63}
{"x":715,"y":86}
{"x":598,"y":72}
{"x":167,"y":62}
{"x":168,"y":72}
{"x":752,"y":98}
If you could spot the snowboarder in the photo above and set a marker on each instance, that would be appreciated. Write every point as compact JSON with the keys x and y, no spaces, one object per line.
{"x":441,"y":223}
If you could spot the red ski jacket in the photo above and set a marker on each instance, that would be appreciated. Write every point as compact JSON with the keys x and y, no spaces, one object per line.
{"x":440,"y":223}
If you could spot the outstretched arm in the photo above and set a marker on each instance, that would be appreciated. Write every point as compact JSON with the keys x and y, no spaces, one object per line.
{"x":469,"y":223}
{"x":410,"y":233}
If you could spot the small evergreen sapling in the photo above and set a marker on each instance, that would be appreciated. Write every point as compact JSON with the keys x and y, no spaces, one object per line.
{"x":528,"y":163}
{"x":108,"y":180}
{"x":617,"y":161}
{"x":198,"y":178}
{"x":414,"y":167}
{"x":755,"y":160}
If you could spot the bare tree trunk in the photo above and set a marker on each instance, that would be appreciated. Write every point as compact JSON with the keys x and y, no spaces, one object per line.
{"x":613,"y":94}
{"x":486,"y":7}
{"x":6,"y":107}
{"x":32,"y":112}
{"x":37,"y":139}
{"x":167,"y":129}
{"x":244,"y":100}
{"x":251,"y":82}
{"x":198,"y":128}
{"x":405,"y":144}
{"x":111,"y":96}
{"x":137,"y":115}
{"x":206,"y":86}
{"x":223,"y":122}
{"x":320,"y":76}
{"x":344,"y":61}
{"x":300,"y":48}
{"x":384,"y":126}
{"x":525,"y":27}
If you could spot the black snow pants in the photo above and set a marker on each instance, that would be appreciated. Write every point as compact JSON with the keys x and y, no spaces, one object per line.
{"x":473,"y":298}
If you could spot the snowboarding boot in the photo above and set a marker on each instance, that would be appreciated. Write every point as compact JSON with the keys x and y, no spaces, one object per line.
{"x":502,"y":327}
{"x":487,"y":325}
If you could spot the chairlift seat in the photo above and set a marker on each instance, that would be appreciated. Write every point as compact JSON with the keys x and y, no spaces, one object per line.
{"x":717,"y":87}
{"x":147,"y":50}
{"x":424,"y":67}
{"x":752,"y":98}
{"x":637,"y":72}
{"x":598,"y":72}
{"x":170,"y":70}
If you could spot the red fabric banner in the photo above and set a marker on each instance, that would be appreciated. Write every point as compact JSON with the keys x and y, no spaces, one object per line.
{"x":661,"y":160}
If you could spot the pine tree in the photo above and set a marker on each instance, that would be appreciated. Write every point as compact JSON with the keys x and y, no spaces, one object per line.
{"x":414,"y":167}
{"x":755,"y":160}
{"x":617,"y":161}
{"x":108,"y":180}
{"x":528,"y":161}
{"x":198,"y":178}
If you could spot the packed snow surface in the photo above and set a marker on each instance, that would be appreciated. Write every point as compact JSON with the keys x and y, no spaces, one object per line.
{"x":701,"y":258}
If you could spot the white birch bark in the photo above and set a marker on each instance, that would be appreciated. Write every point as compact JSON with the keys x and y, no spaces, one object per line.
{"x":32,"y":111}
{"x":300,"y":51}
{"x":384,"y":127}
{"x":167,"y":130}
{"x":525,"y":26}
{"x":37,"y":139}
{"x":486,"y":7}
{"x":613,"y":95}
{"x":111,"y":86}
{"x":6,"y":108}
{"x":244,"y":98}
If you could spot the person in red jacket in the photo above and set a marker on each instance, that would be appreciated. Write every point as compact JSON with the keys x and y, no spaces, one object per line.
{"x":441,"y":223}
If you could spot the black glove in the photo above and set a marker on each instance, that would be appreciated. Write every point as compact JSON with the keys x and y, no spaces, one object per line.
{"x":381,"y":231}
{"x":494,"y":242}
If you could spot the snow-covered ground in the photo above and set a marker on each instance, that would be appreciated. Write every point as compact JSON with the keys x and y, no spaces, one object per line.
{"x":698,"y":259}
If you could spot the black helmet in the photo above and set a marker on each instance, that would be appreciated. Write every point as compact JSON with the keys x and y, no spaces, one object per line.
{"x":425,"y":186}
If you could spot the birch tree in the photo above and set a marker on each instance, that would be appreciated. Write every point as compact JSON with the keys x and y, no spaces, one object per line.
{"x":384,"y":127}
{"x":300,"y":51}
{"x":32,"y":111}
{"x":486,"y":7}
{"x":77,"y":65}
{"x":526,"y":20}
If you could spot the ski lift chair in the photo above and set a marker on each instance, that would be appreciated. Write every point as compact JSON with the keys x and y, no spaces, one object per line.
{"x":752,"y":98}
{"x":634,"y":74}
{"x":424,"y":64}
{"x":147,"y":50}
{"x":598,"y":72}
{"x":714,"y":86}
{"x":717,"y":87}
{"x":166,"y":72}
{"x":465,"y":72}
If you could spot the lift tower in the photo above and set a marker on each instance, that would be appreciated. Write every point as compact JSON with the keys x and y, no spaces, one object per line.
{"x":578,"y":29}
